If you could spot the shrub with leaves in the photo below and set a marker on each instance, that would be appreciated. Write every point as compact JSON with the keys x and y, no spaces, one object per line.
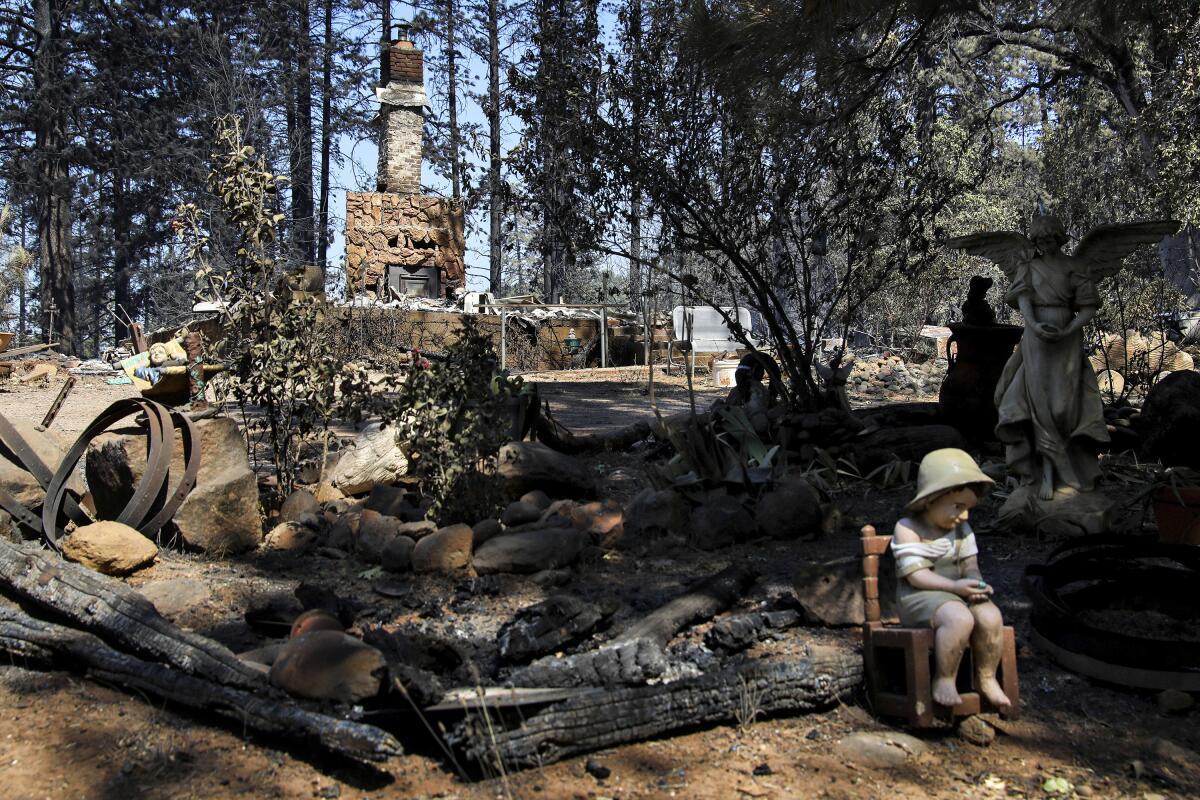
{"x":452,"y":416}
{"x":282,"y":377}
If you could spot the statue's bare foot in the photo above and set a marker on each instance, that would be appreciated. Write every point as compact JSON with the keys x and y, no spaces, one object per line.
{"x":1046,"y":490}
{"x":990,"y":688}
{"x":946,"y":693}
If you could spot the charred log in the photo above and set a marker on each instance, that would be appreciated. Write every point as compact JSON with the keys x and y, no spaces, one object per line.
{"x":610,"y":717}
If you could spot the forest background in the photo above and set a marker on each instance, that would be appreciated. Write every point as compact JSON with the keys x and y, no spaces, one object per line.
{"x":801,"y":156}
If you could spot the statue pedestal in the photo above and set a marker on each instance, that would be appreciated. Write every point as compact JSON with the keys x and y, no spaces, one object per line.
{"x":1070,"y":513}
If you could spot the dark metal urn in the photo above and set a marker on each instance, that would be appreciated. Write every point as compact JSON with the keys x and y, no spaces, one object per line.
{"x":976,"y":355}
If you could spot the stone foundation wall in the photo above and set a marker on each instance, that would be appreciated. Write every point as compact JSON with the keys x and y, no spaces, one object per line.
{"x":402,"y":230}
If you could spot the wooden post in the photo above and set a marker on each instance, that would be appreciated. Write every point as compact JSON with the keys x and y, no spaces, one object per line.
{"x":503,"y":336}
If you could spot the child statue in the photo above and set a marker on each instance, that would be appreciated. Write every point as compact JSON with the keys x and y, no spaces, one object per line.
{"x":938,"y":581}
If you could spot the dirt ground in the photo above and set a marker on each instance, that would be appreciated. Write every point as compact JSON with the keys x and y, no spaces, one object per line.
{"x":63,"y":736}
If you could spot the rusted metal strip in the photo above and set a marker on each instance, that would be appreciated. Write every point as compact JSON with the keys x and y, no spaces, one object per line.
{"x":161,"y":435}
{"x":20,"y":453}
{"x":52,"y":412}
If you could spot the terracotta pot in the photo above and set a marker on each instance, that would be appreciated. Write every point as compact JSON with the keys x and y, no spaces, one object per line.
{"x":976,"y":355}
{"x":1178,"y":523}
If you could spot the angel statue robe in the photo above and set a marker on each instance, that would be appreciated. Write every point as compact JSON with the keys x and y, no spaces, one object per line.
{"x":1047,"y":397}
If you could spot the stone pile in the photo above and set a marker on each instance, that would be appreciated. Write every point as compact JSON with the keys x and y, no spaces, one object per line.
{"x":889,"y":374}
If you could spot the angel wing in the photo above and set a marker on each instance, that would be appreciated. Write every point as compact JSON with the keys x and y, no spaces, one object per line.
{"x":1006,"y":248}
{"x":1105,"y":247}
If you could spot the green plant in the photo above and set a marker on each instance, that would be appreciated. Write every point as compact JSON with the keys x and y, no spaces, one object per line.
{"x":282,"y":377}
{"x":452,"y":416}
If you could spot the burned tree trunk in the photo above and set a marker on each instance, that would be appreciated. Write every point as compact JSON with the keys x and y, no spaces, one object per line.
{"x":704,"y":600}
{"x":557,"y":437}
{"x":24,"y":636}
{"x":605,"y":718}
{"x":112,"y":610}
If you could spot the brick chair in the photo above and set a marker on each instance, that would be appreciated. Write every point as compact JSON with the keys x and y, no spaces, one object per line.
{"x":898,"y":662}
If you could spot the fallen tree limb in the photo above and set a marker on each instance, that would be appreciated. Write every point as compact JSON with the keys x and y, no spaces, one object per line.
{"x":26,"y":636}
{"x":116,"y":613}
{"x":558,"y":437}
{"x":704,"y":600}
{"x":605,"y":718}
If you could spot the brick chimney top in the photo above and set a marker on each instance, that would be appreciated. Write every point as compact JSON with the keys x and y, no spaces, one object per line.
{"x":402,"y":61}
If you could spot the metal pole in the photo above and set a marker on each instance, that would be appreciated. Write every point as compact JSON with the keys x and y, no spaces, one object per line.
{"x":503,"y":336}
{"x":604,"y":323}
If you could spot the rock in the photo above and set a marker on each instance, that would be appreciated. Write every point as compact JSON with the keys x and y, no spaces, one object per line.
{"x":109,"y":547}
{"x":290,"y":537}
{"x":520,"y":513}
{"x":445,"y":550}
{"x":537,"y":498}
{"x":329,"y":665}
{"x":603,"y":522}
{"x":176,"y":596}
{"x":720,"y":521}
{"x":397,"y":554}
{"x":531,"y":551}
{"x":222,"y":513}
{"x":976,"y":730}
{"x":299,"y":502}
{"x":652,"y":514}
{"x":486,"y":529}
{"x":315,"y":619}
{"x":881,"y":750}
{"x":790,"y":510}
{"x":374,"y":459}
{"x":831,"y":593}
{"x":417,"y":530}
{"x":1170,"y":420}
{"x":22,"y":485}
{"x":1172,"y":701}
{"x":327,"y":493}
{"x":550,"y":578}
{"x":387,"y":500}
{"x":596,"y":769}
{"x":374,"y":532}
{"x":345,"y":529}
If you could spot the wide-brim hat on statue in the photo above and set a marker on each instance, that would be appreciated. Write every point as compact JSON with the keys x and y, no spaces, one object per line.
{"x":945,"y":469}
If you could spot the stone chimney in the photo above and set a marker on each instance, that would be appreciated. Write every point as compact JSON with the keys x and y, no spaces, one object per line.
{"x":402,"y":101}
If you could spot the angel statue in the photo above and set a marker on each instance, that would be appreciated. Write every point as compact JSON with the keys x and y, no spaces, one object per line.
{"x":1050,"y":411}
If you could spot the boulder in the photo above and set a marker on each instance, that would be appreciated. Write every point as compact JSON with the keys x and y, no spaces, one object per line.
{"x":532,"y":551}
{"x":299,"y":502}
{"x":881,"y":749}
{"x":417,"y":530}
{"x":831,"y":593}
{"x":1170,"y":420}
{"x":375,"y":458}
{"x":537,"y":498}
{"x":291,"y":537}
{"x":109,"y":547}
{"x":790,"y":510}
{"x":720,"y":521}
{"x":520,"y":513}
{"x":175,"y":597}
{"x":388,"y":500}
{"x":22,"y":485}
{"x":397,"y":554}
{"x":327,"y":493}
{"x":445,"y":550}
{"x":222,"y":513}
{"x":652,"y":514}
{"x":374,"y":532}
{"x":603,"y":522}
{"x":486,"y":529}
{"x":329,"y":665}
